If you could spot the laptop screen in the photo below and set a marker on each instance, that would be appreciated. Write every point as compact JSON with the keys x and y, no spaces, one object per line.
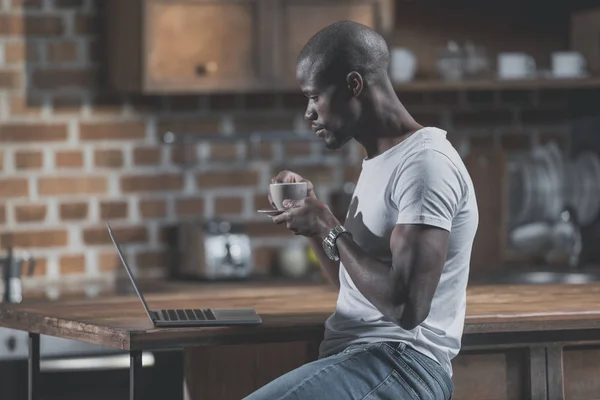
{"x":137,"y":290}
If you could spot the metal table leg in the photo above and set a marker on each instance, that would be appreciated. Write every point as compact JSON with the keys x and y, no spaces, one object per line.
{"x":135,"y":375}
{"x":34,"y":366}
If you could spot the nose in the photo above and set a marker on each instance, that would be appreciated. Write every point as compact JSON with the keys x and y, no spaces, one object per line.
{"x":310,"y":114}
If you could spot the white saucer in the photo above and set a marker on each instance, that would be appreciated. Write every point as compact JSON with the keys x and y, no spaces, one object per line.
{"x":270,"y":211}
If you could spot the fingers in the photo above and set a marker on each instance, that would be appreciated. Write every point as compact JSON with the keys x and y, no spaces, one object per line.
{"x":287,"y":203}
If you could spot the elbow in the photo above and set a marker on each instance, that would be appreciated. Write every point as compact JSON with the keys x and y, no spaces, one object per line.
{"x":411,"y":316}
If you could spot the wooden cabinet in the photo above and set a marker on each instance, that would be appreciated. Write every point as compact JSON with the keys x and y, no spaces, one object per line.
{"x":192,"y":46}
{"x":298,"y":20}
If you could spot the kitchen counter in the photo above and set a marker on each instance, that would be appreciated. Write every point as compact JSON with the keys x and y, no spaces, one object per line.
{"x":507,"y":328}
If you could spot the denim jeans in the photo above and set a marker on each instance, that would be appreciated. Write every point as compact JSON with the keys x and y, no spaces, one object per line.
{"x":374,"y":371}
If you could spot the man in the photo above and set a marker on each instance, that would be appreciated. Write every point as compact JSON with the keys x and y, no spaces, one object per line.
{"x":401,"y":263}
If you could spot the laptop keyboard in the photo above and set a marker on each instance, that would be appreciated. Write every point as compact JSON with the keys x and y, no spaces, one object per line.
{"x":188,"y":315}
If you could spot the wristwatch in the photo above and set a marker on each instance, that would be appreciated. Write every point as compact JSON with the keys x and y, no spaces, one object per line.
{"x":329,"y":242}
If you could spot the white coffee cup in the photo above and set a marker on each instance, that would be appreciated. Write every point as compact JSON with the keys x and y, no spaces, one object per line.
{"x":515,"y":66}
{"x":568,"y":64}
{"x":287,"y":191}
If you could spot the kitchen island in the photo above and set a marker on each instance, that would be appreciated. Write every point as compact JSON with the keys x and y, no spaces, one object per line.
{"x":520,"y":341}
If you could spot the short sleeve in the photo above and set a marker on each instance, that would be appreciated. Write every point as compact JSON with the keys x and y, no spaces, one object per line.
{"x":428,"y":190}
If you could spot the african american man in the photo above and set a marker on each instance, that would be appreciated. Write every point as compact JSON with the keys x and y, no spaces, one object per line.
{"x":401,"y":259}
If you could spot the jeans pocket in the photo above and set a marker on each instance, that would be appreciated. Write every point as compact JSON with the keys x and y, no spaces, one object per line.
{"x":436,"y":372}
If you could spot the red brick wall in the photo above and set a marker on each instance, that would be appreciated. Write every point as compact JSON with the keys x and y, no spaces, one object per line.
{"x":73,"y":154}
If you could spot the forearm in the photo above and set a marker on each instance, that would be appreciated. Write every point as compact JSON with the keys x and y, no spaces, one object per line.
{"x":373,"y":278}
{"x":331,"y":268}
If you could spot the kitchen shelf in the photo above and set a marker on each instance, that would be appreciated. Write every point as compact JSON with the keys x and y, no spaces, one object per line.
{"x":513,"y":84}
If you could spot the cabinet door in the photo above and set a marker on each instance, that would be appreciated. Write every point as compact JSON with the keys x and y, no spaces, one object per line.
{"x":202,"y":44}
{"x":301,"y":19}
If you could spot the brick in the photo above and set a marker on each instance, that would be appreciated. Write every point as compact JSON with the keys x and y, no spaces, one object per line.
{"x":263,"y":101}
{"x":352,"y":172}
{"x":17,"y":52}
{"x":37,"y":238}
{"x":61,"y":52}
{"x":67,"y":103}
{"x":561,"y":139}
{"x":223,"y":151}
{"x":38,"y":25}
{"x":151,"y":259}
{"x":184,"y":103}
{"x":71,"y":78}
{"x":69,"y":159}
{"x":72,"y":185}
{"x":147,"y":104}
{"x":297,"y":148}
{"x":263,"y":151}
{"x":72,"y":264}
{"x":73,"y":211}
{"x":553,"y":97}
{"x":109,"y":262}
{"x":104,"y":103}
{"x":261,"y":201}
{"x":2,"y":214}
{"x":190,"y":206}
{"x":41,"y":266}
{"x":153,"y":208}
{"x":480,"y":97}
{"x":112,"y":131}
{"x":481,"y":141}
{"x":151,"y":183}
{"x":1,"y":160}
{"x":261,"y":123}
{"x":29,"y":160}
{"x":209,"y":124}
{"x":87,"y":24}
{"x":411,"y":98}
{"x":221,"y":102}
{"x":267,"y":228}
{"x":264,"y":259}
{"x":295,"y":101}
{"x":113,"y":209}
{"x":68,"y":3}
{"x":14,"y":187}
{"x":10,"y":79}
{"x":30,"y":213}
{"x":316,"y":174}
{"x":28,"y":4}
{"x":227,"y":178}
{"x":542,"y":116}
{"x":183,"y":155}
{"x":443,"y":98}
{"x":108,"y":158}
{"x":99,"y":236}
{"x":25,"y":106}
{"x":516,"y":97}
{"x":32,"y":132}
{"x":427,"y":118}
{"x":482,"y":118}
{"x":515,"y":141}
{"x":229,"y":205}
{"x":146,"y":156}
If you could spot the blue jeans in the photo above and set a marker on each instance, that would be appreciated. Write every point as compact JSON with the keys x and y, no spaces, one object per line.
{"x":374,"y":371}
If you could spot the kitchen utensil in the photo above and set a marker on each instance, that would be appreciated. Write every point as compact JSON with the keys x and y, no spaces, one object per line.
{"x":403,"y":64}
{"x":515,"y":66}
{"x":213,"y":249}
{"x":12,"y":266}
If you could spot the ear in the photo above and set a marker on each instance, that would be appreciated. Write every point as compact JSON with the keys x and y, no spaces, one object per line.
{"x":355,"y":83}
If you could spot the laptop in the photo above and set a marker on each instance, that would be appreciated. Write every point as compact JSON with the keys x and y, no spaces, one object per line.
{"x":190,"y":317}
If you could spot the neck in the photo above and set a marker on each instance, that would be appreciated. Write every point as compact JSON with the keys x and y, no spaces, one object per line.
{"x":387,"y":121}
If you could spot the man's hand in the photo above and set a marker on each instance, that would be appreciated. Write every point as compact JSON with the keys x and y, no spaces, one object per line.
{"x":309,"y":217}
{"x":292,"y":177}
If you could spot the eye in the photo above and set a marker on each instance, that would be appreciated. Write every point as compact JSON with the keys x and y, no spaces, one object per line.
{"x":314,"y":98}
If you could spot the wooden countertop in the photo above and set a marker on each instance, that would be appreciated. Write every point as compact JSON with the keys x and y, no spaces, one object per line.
{"x":294,"y":312}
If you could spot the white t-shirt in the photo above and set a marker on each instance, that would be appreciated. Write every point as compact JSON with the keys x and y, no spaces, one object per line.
{"x":421,"y":180}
